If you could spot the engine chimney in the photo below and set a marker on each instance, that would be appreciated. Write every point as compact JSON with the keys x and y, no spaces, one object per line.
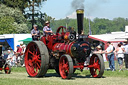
{"x":80,"y":16}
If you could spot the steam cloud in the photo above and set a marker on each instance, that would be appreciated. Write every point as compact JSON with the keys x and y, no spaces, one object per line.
{"x":94,"y":6}
{"x":89,"y":6}
{"x":77,"y":4}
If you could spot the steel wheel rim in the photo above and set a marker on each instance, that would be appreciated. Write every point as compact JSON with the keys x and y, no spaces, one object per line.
{"x":95,"y":70}
{"x":64,"y":67}
{"x":32,"y":59}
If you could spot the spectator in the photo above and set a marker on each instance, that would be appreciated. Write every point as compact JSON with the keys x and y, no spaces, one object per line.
{"x":126,"y":55}
{"x":22,"y":57}
{"x":110,"y":56}
{"x":119,"y":52}
{"x":35,"y":33}
{"x":98,"y":49}
{"x":18,"y":53}
{"x":23,"y":48}
{"x":47,"y":30}
{"x":9,"y":58}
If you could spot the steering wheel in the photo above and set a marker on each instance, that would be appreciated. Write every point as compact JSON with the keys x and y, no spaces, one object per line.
{"x":61,"y":29}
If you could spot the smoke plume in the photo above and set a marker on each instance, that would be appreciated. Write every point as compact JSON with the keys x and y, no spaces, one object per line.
{"x":94,"y":6}
{"x":77,"y":4}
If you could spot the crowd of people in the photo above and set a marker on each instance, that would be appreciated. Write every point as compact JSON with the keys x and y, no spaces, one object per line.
{"x":16,"y":58}
{"x":121,"y":54}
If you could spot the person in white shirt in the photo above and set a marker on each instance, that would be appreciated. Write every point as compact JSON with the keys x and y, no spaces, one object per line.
{"x":119,"y":52}
{"x":110,"y":56}
{"x":9,"y":58}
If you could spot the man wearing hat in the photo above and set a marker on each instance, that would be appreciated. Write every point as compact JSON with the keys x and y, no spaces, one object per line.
{"x":35,"y":33}
{"x":47,"y":29}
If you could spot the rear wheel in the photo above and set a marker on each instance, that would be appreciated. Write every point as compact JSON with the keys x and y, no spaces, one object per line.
{"x":66,"y":66}
{"x":97,"y":65}
{"x":7,"y":69}
{"x":36,"y":59}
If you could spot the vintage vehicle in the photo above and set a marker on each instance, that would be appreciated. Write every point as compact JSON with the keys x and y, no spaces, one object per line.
{"x":3,"y":63}
{"x":63,"y":51}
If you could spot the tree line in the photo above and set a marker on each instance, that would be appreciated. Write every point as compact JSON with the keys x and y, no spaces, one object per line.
{"x":97,"y":25}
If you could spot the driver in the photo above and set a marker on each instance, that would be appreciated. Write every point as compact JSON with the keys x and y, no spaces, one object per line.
{"x":47,"y":30}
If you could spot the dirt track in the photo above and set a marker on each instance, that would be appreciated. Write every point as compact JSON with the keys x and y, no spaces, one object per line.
{"x":53,"y":79}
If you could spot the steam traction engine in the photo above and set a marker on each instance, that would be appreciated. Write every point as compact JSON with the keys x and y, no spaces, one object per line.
{"x":63,"y":52}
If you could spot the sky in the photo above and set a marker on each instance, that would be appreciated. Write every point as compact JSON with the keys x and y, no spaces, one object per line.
{"x":109,"y":9}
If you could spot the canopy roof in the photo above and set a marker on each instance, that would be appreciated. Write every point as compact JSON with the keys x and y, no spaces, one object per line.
{"x":112,"y":37}
{"x":26,"y":41}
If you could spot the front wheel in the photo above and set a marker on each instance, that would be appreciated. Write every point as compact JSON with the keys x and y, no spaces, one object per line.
{"x":36,"y":59}
{"x":97,"y":65}
{"x":7,"y":69}
{"x":66,"y":66}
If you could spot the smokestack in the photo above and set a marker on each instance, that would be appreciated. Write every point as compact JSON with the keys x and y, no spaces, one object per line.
{"x":80,"y":16}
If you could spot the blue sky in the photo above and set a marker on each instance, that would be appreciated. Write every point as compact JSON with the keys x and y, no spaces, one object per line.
{"x":109,"y":9}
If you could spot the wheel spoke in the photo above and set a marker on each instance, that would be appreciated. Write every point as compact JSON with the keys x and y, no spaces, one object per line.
{"x":31,"y":52}
{"x":98,"y":67}
{"x":95,"y":71}
{"x":63,"y":61}
{"x":38,"y":65}
{"x":97,"y":61}
{"x":37,"y":69}
{"x":38,"y":56}
{"x":32,"y":70}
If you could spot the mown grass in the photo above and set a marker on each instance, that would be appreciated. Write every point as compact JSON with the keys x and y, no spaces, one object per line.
{"x":19,"y":76}
{"x":116,"y":73}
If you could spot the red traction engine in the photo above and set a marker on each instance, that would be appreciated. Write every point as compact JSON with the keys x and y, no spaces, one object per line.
{"x":63,"y":52}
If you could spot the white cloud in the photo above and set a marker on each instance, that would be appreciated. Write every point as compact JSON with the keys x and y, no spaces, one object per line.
{"x":72,"y":16}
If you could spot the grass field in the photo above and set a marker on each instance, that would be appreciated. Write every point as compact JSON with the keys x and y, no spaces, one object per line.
{"x":19,"y":76}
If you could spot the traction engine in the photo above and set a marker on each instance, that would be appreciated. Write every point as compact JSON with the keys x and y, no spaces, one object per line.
{"x":64,"y":51}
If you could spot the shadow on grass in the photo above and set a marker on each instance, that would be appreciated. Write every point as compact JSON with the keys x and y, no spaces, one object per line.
{"x":48,"y":75}
{"x":74,"y":76}
{"x":1,"y":73}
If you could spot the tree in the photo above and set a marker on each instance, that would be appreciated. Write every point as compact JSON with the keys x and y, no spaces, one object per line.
{"x":6,"y":25}
{"x":12,"y":20}
{"x":21,"y":4}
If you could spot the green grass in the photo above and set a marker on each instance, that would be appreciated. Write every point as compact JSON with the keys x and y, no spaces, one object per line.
{"x":18,"y":69}
{"x":116,"y":73}
{"x":19,"y":76}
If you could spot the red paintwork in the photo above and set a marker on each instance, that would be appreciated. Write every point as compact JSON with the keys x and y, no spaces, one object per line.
{"x":63,"y":47}
{"x":1,"y":69}
{"x":80,"y":65}
{"x":50,"y":41}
